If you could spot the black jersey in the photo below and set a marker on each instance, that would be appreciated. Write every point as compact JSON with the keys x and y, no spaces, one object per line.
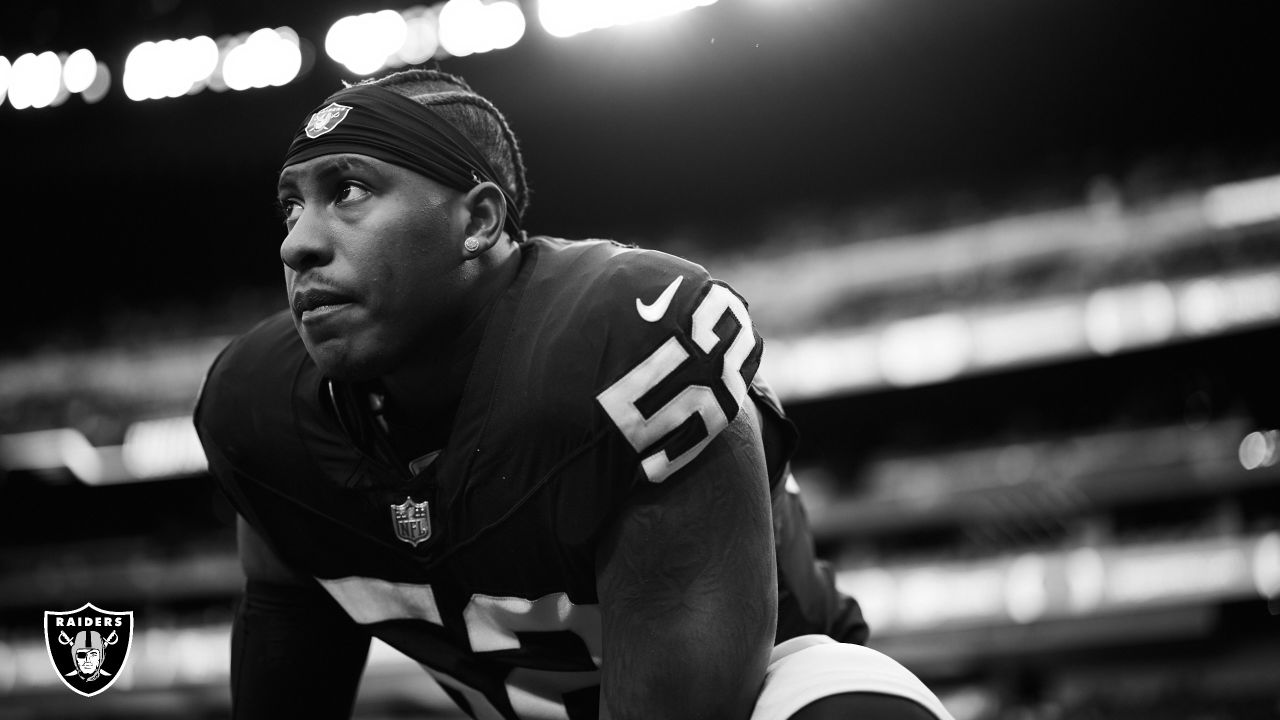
{"x":601,"y":368}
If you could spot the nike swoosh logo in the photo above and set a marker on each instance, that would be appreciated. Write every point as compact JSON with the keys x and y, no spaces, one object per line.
{"x":654,"y":311}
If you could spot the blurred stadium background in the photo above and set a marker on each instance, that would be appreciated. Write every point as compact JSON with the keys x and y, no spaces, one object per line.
{"x":1017,"y":265}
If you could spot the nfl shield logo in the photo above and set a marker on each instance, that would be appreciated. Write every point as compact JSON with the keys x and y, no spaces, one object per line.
{"x":412,"y":521}
{"x":326,"y":119}
{"x":88,"y":647}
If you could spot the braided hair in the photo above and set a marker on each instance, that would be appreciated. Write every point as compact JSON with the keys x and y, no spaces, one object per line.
{"x":473,"y":115}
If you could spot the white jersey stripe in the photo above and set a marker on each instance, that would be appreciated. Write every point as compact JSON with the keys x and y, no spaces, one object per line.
{"x":370,"y":600}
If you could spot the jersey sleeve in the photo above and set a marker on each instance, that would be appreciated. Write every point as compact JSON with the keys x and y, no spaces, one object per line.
{"x":681,"y":356}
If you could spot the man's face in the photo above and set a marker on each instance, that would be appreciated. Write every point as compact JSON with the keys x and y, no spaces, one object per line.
{"x":88,"y":660}
{"x":373,"y":262}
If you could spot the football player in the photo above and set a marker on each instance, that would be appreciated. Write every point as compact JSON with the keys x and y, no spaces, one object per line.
{"x":547,"y":471}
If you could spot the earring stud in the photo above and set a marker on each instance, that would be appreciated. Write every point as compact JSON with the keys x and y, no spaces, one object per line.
{"x":471,"y":244}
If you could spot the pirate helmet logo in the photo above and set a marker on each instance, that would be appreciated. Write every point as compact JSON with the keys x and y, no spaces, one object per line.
{"x":88,"y":646}
{"x":326,"y":119}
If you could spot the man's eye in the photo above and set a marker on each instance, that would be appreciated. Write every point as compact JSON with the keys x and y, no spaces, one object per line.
{"x":350,"y":192}
{"x":289,"y":211}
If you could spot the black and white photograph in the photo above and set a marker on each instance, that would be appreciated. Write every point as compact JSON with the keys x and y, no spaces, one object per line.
{"x":640,"y":359}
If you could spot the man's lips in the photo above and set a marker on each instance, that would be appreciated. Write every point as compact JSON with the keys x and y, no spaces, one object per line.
{"x":314,"y":299}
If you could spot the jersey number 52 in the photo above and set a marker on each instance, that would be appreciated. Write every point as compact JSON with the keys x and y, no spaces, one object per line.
{"x":620,"y":399}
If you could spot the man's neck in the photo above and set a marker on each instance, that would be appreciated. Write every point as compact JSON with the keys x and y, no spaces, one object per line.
{"x":425,"y":393}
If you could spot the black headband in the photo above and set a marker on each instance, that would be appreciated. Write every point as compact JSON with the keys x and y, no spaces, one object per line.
{"x":374,"y":121}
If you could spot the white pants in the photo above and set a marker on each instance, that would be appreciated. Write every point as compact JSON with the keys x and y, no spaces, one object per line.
{"x":811,"y":667}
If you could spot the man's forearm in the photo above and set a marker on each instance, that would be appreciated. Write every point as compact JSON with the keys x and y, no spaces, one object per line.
{"x":293,"y":655}
{"x":689,"y":669}
{"x":689,"y":590}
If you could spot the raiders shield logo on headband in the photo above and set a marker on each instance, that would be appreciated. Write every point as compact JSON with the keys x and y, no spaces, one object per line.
{"x":326,"y":119}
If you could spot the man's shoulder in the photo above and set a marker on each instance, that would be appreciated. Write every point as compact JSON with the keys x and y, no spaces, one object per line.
{"x":612,"y":267}
{"x":601,"y":289}
{"x":255,"y":371}
{"x":648,"y":339}
{"x":258,"y":356}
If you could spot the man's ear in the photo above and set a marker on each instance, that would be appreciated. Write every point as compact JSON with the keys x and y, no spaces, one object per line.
{"x":487,"y":217}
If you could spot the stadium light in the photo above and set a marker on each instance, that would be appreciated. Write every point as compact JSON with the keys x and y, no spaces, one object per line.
{"x":1260,"y":449}
{"x":36,"y":81}
{"x":422,"y":35}
{"x":924,"y":350}
{"x":563,"y":18}
{"x":162,"y":448}
{"x":51,"y":450}
{"x":364,"y":42}
{"x":79,"y":71}
{"x":369,"y":42}
{"x":1266,"y":566}
{"x":98,"y":88}
{"x":1243,"y":203}
{"x":1106,"y":321}
{"x":6,"y":71}
{"x":471,"y":26}
{"x":169,"y":68}
{"x":47,"y":79}
{"x":173,"y":68}
{"x":156,"y":449}
{"x":909,"y":598}
{"x":267,"y":58}
{"x":1130,"y":316}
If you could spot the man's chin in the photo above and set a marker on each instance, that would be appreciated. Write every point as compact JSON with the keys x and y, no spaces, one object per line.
{"x":337,"y":360}
{"x":346,"y":369}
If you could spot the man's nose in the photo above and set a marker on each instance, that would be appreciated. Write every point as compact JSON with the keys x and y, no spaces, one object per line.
{"x":307,"y":245}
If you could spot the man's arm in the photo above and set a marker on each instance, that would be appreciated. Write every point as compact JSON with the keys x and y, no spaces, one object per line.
{"x":294,"y":652}
{"x":688,"y":588}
